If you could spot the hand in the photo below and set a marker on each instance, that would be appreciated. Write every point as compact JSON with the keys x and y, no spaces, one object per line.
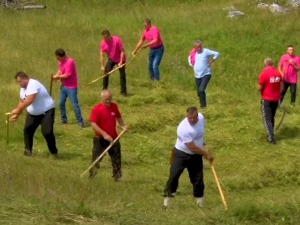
{"x":144,"y":46}
{"x":291,"y":62}
{"x":133,"y":53}
{"x":120,"y":64}
{"x":108,"y":137}
{"x":209,"y":157}
{"x":13,"y":118}
{"x":16,"y":111}
{"x":125,"y":128}
{"x":103,"y":68}
{"x":55,"y":77}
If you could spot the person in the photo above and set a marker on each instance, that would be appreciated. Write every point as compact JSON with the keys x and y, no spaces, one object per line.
{"x":188,"y":152}
{"x":156,"y":45}
{"x":270,"y":85}
{"x":114,"y":49}
{"x":69,"y":89}
{"x":40,"y":107}
{"x":289,"y":66}
{"x":201,"y":60}
{"x":103,"y":118}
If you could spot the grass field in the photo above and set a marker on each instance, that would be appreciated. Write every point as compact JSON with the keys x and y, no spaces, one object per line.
{"x":261,"y":182}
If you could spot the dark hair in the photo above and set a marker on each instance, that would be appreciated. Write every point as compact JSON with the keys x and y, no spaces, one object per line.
{"x":60,"y":52}
{"x":22,"y":75}
{"x":147,"y":20}
{"x":191,"y":110}
{"x":105,"y":32}
{"x":290,"y":46}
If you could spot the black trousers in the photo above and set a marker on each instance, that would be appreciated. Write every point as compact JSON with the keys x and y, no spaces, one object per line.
{"x":99,"y":145}
{"x":46,"y":121}
{"x":268,"y":109}
{"x":109,"y":66}
{"x":293,"y":90}
{"x":194,"y":165}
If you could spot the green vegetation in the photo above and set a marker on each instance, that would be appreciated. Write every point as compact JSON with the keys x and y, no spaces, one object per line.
{"x":261,"y":182}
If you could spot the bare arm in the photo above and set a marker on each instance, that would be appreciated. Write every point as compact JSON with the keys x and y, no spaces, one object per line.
{"x":122,"y":124}
{"x":22,"y":105}
{"x":200,"y":151}
{"x":122,"y":57}
{"x":154,"y":41}
{"x":259,"y":87}
{"x":97,"y":129}
{"x":280,"y":70}
{"x":102,"y":60}
{"x":139,"y":44}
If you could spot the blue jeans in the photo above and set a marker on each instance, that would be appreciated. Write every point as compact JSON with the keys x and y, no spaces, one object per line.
{"x":70,"y":93}
{"x":155,"y":56}
{"x":201,"y":84}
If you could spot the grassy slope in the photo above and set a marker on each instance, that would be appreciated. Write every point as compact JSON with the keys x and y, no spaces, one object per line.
{"x":260,"y":182}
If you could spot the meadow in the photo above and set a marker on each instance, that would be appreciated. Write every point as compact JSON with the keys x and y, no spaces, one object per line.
{"x":260,"y":182}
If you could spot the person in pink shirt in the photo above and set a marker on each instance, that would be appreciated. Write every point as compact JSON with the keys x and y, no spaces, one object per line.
{"x":69,"y":85}
{"x":152,"y":35}
{"x":289,"y":66}
{"x":113,"y":47}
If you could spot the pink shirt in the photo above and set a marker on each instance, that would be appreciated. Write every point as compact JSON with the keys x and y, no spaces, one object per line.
{"x":152,"y":34}
{"x":193,"y":56}
{"x":113,"y":48}
{"x":68,"y":67}
{"x":289,"y":71}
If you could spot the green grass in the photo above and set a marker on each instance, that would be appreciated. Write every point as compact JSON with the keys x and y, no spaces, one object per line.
{"x":261,"y":182}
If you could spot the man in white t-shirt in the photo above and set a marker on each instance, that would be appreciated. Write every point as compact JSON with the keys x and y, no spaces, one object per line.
{"x":40,"y":111}
{"x":188,"y":152}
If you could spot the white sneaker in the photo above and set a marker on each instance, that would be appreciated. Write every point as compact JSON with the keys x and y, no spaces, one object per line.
{"x":200,"y":202}
{"x":167,"y":202}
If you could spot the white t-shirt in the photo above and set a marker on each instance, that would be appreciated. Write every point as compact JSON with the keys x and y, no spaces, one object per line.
{"x":187,"y":133}
{"x":42,"y":102}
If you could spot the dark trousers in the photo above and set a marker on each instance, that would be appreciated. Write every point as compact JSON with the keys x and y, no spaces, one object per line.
{"x":99,"y":145}
{"x":109,"y":67}
{"x":201,"y":84}
{"x":46,"y":121}
{"x":194,"y":165}
{"x":293,"y":90}
{"x":268,"y":112}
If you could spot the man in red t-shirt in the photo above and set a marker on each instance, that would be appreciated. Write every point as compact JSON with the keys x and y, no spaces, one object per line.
{"x":270,"y":85}
{"x":104,"y":118}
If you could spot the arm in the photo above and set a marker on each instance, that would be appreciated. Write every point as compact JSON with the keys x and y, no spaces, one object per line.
{"x":154,"y":41}
{"x":281,"y":86}
{"x":122,"y":124}
{"x":294,"y":64}
{"x":22,"y":105}
{"x":200,"y":151}
{"x":97,"y":129}
{"x":139,"y":44}
{"x":102,"y":60}
{"x":190,"y":61}
{"x":215,"y":55}
{"x":259,"y":87}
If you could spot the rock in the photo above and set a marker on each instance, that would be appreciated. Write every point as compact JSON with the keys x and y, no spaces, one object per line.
{"x":229,"y":8}
{"x":262,"y":5}
{"x":235,"y":14}
{"x":277,"y":9}
{"x":294,"y":3}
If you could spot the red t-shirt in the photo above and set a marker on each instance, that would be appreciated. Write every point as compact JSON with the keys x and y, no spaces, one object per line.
{"x":270,"y":79}
{"x":106,"y":118}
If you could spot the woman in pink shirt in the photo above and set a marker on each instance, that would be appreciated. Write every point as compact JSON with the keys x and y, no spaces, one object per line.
{"x":155,"y":43}
{"x":289,"y":66}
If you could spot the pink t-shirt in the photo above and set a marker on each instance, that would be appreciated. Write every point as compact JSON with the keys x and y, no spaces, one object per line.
{"x":289,"y":71}
{"x":68,"y":67}
{"x":193,"y":56}
{"x":152,"y":34}
{"x":113,"y":48}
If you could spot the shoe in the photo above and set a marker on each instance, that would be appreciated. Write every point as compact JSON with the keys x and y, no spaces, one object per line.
{"x":200,"y":202}
{"x":93,"y":173}
{"x":272,"y":142}
{"x":117,"y":177}
{"x":167,"y":202}
{"x":27,"y":152}
{"x":54,"y":155}
{"x":62,"y":122}
{"x":124,"y":94}
{"x":81,"y":125}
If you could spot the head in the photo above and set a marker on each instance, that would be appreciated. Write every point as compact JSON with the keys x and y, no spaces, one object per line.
{"x":290,"y":50}
{"x":268,"y":62}
{"x":60,"y":54}
{"x":106,"y":35}
{"x":198,"y":45}
{"x":106,"y":97}
{"x":22,"y":78}
{"x":192,"y":115}
{"x":147,"y":24}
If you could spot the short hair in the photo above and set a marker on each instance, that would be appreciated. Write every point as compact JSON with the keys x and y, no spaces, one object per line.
{"x":60,"y":52}
{"x":105,"y":32}
{"x":269,"y":62}
{"x":197,"y":42}
{"x":147,"y":20}
{"x":191,"y":110}
{"x":22,"y":75}
{"x":290,"y":46}
{"x":105,"y":91}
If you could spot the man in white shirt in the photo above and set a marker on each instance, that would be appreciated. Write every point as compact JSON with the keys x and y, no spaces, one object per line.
{"x":40,"y":111}
{"x":188,"y":152}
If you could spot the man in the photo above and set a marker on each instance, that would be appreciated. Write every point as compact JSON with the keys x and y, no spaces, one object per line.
{"x":270,"y":85}
{"x":40,"y":111}
{"x":68,"y":75}
{"x":114,"y":49}
{"x":289,"y":66}
{"x":156,"y":45}
{"x":104,"y":117}
{"x":201,"y":60}
{"x":188,"y":152}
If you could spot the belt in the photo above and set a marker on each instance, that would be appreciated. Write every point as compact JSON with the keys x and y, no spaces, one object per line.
{"x":157,"y":47}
